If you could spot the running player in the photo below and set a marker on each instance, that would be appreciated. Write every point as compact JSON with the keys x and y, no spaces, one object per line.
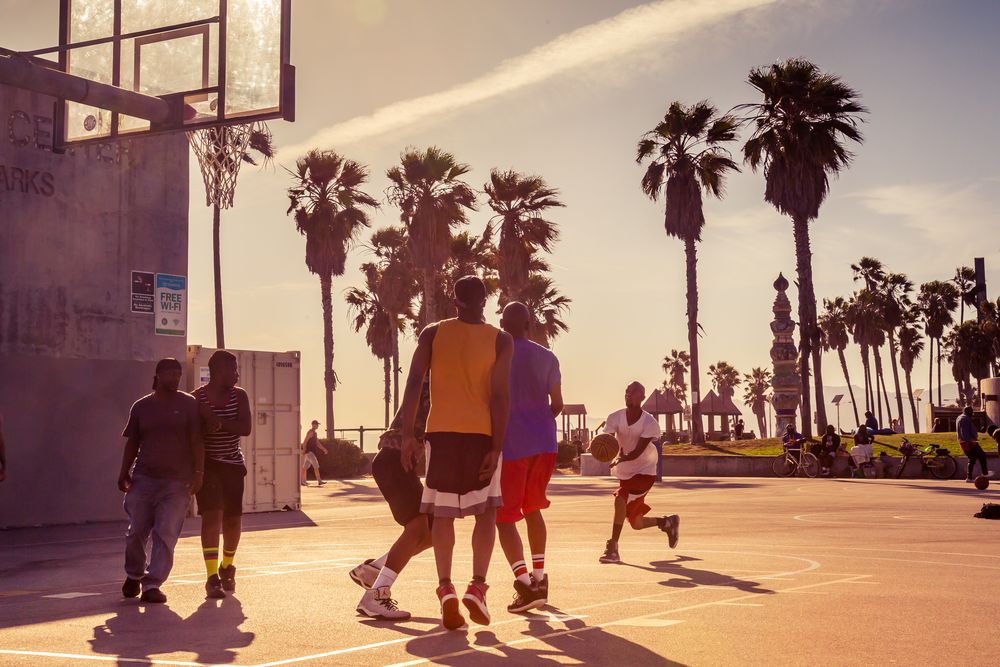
{"x":225,"y":412}
{"x":469,"y":364}
{"x":529,"y":457}
{"x":635,"y":468}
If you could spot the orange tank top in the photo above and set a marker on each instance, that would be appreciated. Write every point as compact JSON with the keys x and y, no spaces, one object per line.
{"x":462,"y":360}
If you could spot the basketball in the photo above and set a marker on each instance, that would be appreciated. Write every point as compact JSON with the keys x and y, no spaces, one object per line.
{"x":982,"y":482}
{"x":604,"y":447}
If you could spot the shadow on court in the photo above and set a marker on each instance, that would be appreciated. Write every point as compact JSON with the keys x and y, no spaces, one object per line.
{"x":541,"y":644}
{"x":137,"y":632}
{"x":685,"y":576}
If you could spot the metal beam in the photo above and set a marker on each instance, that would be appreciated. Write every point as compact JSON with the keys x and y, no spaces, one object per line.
{"x":19,"y":72}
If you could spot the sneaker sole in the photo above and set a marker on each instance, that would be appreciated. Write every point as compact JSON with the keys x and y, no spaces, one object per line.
{"x":477,"y":612}
{"x":673,"y":540}
{"x":358,"y":580}
{"x":215,"y":595}
{"x":451,"y":617}
{"x":382,"y":617}
{"x":527,"y":606}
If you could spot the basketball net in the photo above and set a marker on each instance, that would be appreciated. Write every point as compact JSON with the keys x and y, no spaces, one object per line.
{"x":221,"y":151}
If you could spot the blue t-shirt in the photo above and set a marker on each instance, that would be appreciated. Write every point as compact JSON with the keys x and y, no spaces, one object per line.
{"x":531,"y":428}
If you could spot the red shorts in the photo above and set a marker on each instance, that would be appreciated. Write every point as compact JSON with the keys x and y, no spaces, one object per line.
{"x":635,"y":489}
{"x":523,"y":483}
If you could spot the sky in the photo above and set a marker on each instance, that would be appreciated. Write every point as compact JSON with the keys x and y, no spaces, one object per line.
{"x":565,"y":89}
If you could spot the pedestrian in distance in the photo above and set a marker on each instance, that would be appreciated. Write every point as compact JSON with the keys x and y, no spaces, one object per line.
{"x":162,"y":465}
{"x":826,"y":450}
{"x":225,"y":412}
{"x":311,"y":447}
{"x":968,"y":440}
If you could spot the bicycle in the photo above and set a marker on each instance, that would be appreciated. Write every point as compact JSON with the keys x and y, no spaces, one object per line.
{"x":788,"y":464}
{"x":933,"y":458}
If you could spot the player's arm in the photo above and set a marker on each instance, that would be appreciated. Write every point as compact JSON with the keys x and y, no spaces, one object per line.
{"x":128,"y":460}
{"x":321,"y":447}
{"x":555,"y":400}
{"x":197,"y":454}
{"x":243,"y":423}
{"x":407,"y":414}
{"x":639,"y":449}
{"x":499,"y":402}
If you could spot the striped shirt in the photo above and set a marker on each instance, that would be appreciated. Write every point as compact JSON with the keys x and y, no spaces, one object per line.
{"x":222,"y":446}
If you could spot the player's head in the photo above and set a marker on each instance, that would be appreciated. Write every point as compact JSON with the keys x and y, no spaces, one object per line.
{"x":967,"y":411}
{"x":829,"y":429}
{"x":635,"y":393}
{"x":315,"y":424}
{"x":470,"y":296}
{"x":516,"y":319}
{"x":223,"y":369}
{"x":168,"y":375}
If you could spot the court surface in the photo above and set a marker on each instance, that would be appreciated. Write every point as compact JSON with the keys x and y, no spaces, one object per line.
{"x":768,"y":571}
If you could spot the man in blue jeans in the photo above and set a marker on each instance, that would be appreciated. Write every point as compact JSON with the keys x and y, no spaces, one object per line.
{"x":162,"y":465}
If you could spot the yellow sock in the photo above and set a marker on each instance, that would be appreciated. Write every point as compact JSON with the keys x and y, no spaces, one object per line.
{"x":211,"y":560}
{"x":227,"y":557}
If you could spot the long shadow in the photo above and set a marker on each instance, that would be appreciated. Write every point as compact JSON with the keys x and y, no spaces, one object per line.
{"x":717,"y":483}
{"x":138,"y":632}
{"x":351,"y":491}
{"x":684,"y":576}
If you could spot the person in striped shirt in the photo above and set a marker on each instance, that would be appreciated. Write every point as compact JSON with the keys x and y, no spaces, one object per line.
{"x":225,"y":413}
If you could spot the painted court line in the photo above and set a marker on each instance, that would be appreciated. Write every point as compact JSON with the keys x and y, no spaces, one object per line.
{"x":100,"y":658}
{"x":69,"y":596}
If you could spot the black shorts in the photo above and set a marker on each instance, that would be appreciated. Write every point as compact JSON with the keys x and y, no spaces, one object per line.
{"x":222,"y":488}
{"x":455,"y":461}
{"x":400,"y":488}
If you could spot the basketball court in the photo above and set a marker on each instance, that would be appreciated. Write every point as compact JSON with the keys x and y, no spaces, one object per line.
{"x":768,"y":571}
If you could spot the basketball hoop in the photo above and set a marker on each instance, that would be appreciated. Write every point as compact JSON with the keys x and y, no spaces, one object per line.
{"x":221,"y":151}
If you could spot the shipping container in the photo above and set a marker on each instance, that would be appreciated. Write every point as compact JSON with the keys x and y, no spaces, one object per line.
{"x":271,"y":380}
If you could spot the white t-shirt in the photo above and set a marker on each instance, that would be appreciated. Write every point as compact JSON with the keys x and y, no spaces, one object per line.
{"x":628,"y":439}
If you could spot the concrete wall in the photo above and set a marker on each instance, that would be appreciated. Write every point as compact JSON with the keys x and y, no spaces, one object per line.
{"x":72,"y":356}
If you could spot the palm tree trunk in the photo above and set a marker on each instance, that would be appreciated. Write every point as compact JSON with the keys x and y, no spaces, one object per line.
{"x":866,"y":365}
{"x":329,"y":378}
{"x":878,"y":384}
{"x":817,"y":353}
{"x":913,"y":404}
{"x":395,"y":366}
{"x":761,"y":424}
{"x":885,"y":395}
{"x":939,"y":369}
{"x":697,"y":434}
{"x":807,"y":316}
{"x":430,"y":300}
{"x":387,"y":371}
{"x":220,"y":336}
{"x":850,"y":389}
{"x":895,"y":379}
{"x":930,"y":371}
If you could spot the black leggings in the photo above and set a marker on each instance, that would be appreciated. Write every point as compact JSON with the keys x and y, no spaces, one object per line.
{"x":975,"y":453}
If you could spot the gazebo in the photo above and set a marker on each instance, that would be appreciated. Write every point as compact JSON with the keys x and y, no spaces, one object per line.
{"x":580,"y":433}
{"x":713,"y":406}
{"x":663,"y":402}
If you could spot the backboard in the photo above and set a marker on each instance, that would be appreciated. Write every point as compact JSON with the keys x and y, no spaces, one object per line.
{"x":216,"y":62}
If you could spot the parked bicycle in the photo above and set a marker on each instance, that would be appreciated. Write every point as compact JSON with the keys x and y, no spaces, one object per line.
{"x":794,"y":460}
{"x":934,"y":459}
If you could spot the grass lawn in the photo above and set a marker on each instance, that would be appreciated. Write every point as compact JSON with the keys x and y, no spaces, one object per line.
{"x":772,"y":446}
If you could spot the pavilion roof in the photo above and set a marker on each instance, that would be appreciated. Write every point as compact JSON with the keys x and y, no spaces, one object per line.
{"x":713,"y":404}
{"x":662,"y":402}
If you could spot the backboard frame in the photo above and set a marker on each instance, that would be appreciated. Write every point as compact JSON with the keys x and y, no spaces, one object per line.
{"x":177,"y":123}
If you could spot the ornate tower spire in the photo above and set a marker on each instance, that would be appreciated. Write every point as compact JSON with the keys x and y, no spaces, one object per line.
{"x":784,"y":355}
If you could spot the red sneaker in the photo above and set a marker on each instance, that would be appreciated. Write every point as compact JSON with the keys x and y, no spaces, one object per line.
{"x":451,"y":617}
{"x":475,"y":602}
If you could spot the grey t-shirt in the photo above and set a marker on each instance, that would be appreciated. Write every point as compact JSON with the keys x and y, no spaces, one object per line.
{"x":163,"y":427}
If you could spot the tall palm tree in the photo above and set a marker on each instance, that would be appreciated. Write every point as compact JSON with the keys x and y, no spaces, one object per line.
{"x":373,"y":318}
{"x":972,"y":355}
{"x":800,"y":129}
{"x":965,"y":280}
{"x":937,"y":301}
{"x":757,"y":394}
{"x":330,"y":209}
{"x":834,"y":325}
{"x":520,"y":202}
{"x":221,"y":151}
{"x":896,"y":290}
{"x":676,"y":365}
{"x":688,"y":155}
{"x":910,"y":347}
{"x":396,"y":290}
{"x":725,"y":379}
{"x":432,"y":201}
{"x":547,"y":307}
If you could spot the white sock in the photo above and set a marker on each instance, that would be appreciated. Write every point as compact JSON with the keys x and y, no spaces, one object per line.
{"x":538,"y":572}
{"x":385,"y":578}
{"x":380,"y":561}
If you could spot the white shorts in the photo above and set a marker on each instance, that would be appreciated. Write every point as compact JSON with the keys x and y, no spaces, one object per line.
{"x":457,"y":506}
{"x":862,"y":453}
{"x":309,"y":459}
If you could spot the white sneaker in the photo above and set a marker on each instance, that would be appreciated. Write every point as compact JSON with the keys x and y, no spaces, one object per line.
{"x":378,"y":603}
{"x":364,"y":575}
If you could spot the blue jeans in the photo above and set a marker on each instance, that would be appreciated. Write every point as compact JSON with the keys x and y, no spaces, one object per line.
{"x":155,"y":507}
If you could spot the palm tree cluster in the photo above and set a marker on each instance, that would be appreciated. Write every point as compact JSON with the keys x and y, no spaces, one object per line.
{"x":416,"y":263}
{"x":888,"y":312}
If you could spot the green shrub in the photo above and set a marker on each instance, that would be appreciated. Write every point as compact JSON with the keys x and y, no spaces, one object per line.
{"x":566,"y":454}
{"x":343,"y":459}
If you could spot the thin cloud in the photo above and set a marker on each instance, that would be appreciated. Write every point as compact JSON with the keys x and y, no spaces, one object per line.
{"x":630,"y":32}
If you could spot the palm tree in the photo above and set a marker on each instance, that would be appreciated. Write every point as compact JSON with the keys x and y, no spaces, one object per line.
{"x":396,"y":290}
{"x":965,"y":280}
{"x":373,"y":318}
{"x":546,"y":306}
{"x":725,"y":379}
{"x":937,"y":300}
{"x":329,"y":210}
{"x":756,"y":395}
{"x":971,"y":354}
{"x":896,"y":290}
{"x":520,"y":202}
{"x":910,"y":347}
{"x":688,"y":155}
{"x":221,"y":151}
{"x":834,"y":325}
{"x":432,"y":200}
{"x":799,"y":132}
{"x":675,"y":365}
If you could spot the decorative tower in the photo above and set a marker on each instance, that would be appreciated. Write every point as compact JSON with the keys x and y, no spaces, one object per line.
{"x":784,"y":354}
